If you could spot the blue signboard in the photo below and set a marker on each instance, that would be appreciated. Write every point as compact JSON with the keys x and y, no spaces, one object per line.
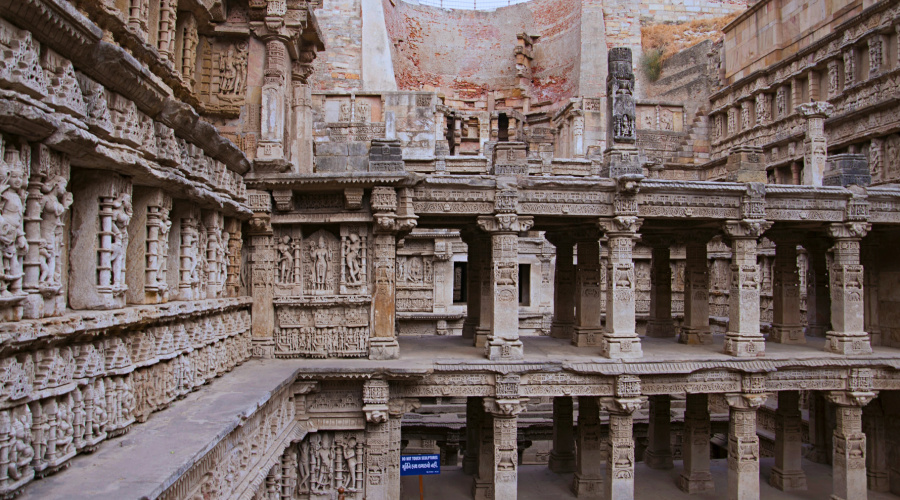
{"x":420,"y":465}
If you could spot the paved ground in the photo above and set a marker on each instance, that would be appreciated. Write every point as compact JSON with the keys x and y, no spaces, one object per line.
{"x":536,"y":482}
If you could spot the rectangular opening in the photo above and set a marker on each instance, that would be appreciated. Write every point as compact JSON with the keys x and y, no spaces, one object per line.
{"x":524,"y":284}
{"x":460,"y":288}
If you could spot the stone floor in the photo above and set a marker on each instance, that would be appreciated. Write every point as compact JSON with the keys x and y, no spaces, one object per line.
{"x":536,"y":482}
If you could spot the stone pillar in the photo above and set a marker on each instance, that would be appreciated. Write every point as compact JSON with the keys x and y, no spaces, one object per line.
{"x":660,"y":324}
{"x":815,"y":145}
{"x":474,"y":416}
{"x":788,"y":472}
{"x":378,"y":438}
{"x":563,"y":287}
{"x":695,"y":329}
{"x":483,"y":483}
{"x":505,"y":464}
{"x":743,"y":446}
{"x":849,"y":453}
{"x":397,"y":407}
{"x":301,"y":143}
{"x":562,"y":458}
{"x":588,"y":481}
{"x":745,"y":164}
{"x":382,"y":340}
{"x":848,"y":335}
{"x":819,"y":450}
{"x":818,"y":299}
{"x":786,"y":326}
{"x":474,"y":255}
{"x":877,"y":472}
{"x":620,"y":450}
{"x":485,"y":318}
{"x":620,"y":340}
{"x":504,"y":342}
{"x":588,"y":297}
{"x":658,"y":454}
{"x":743,"y":337}
{"x":262,"y":274}
{"x":695,"y":446}
{"x":271,"y":138}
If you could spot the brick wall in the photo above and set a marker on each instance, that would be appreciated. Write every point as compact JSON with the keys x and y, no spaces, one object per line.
{"x":340,"y":66}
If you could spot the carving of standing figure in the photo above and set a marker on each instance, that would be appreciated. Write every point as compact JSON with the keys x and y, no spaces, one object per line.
{"x":350,"y":458}
{"x":22,"y":452}
{"x":353,"y":248}
{"x":321,"y":256}
{"x":12,"y":231}
{"x":240,"y":67}
{"x":222,"y":256}
{"x":122,"y":212}
{"x":304,"y":467}
{"x":285,"y":259}
{"x":55,"y":203}
{"x":229,"y":73}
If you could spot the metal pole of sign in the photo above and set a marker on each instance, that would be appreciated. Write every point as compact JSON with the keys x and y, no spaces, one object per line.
{"x":421,"y":489}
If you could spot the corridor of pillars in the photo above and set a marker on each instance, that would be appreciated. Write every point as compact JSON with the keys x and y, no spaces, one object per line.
{"x":598,"y":445}
{"x":595,"y":287}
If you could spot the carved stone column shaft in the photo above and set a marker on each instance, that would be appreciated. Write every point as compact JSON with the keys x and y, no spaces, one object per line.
{"x":786,"y":327}
{"x":563,"y":290}
{"x":620,"y":340}
{"x":695,"y":329}
{"x":658,"y":454}
{"x":562,"y":457}
{"x":620,"y":450}
{"x":743,"y":337}
{"x":849,"y":453}
{"x":743,"y":446}
{"x":660,"y":324}
{"x":588,"y":328}
{"x":788,"y":472}
{"x":695,"y":445}
{"x":848,"y":335}
{"x":588,"y":482}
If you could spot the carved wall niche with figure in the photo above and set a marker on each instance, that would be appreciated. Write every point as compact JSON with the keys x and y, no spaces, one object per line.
{"x":223,"y":74}
{"x":355,"y":259}
{"x":289,"y":248}
{"x":333,"y":330}
{"x":322,"y":263}
{"x":329,"y":461}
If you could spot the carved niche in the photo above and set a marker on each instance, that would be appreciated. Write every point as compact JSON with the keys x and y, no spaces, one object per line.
{"x":322,"y":263}
{"x":354,"y":259}
{"x":14,"y":172}
{"x":329,"y":461}
{"x":289,"y":247}
{"x":415,"y":282}
{"x":326,"y":331}
{"x":223,"y":75}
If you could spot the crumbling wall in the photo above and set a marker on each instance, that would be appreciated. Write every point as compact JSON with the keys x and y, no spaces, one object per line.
{"x":466,"y":53}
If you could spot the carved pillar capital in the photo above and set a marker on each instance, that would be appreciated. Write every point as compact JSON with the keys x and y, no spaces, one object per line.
{"x":745,"y":229}
{"x":504,"y":408}
{"x":505,"y":223}
{"x":376,"y":395}
{"x":622,"y":406}
{"x":621,"y":226}
{"x":851,"y":398}
{"x":848,"y":230}
{"x":744,"y":401}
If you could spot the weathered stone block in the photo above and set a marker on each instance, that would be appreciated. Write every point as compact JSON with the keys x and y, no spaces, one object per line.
{"x":847,"y":169}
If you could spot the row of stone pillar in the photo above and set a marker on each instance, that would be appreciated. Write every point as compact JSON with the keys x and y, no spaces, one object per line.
{"x":848,"y":454}
{"x":578,"y":296}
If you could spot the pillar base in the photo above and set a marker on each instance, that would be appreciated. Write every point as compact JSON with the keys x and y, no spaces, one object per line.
{"x":562,"y":330}
{"x":263,"y":347}
{"x":745,"y":346}
{"x":482,"y":490}
{"x":481,"y":336}
{"x":656,"y":460}
{"x":787,"y":480}
{"x":848,"y":343}
{"x":621,"y":347}
{"x":383,"y":348}
{"x":787,"y":334}
{"x":561,"y":463}
{"x":587,"y":488}
{"x":660,"y":328}
{"x":696,"y":483}
{"x":692,"y":336}
{"x":878,"y":481}
{"x":502,"y":349}
{"x":584,"y":337}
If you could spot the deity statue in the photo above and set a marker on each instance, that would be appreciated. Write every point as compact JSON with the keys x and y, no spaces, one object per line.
{"x":352,"y":251}
{"x":285,"y":259}
{"x":55,"y":202}
{"x":321,"y":256}
{"x":12,"y":230}
{"x":122,"y":212}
